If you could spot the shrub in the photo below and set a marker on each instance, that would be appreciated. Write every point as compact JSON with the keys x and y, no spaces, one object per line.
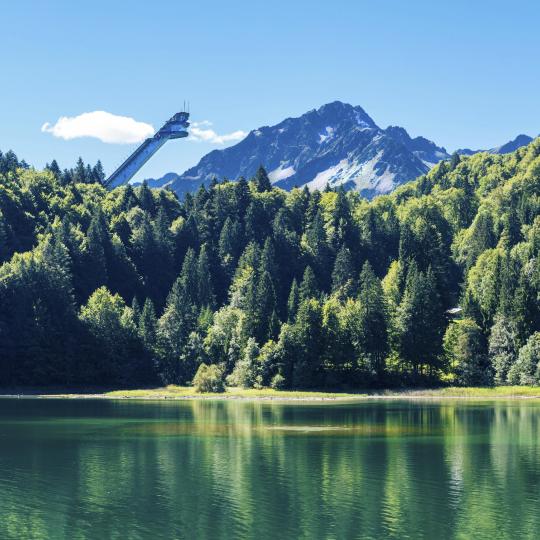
{"x":209,"y":378}
{"x":278,"y":382}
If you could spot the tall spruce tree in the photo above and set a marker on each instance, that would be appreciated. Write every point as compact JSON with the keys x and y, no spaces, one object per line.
{"x":262,"y":182}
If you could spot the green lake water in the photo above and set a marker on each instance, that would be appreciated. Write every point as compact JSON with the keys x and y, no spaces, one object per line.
{"x":233,"y":469}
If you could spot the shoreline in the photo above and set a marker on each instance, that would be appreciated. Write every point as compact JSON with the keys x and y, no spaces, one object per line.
{"x":178,"y":393}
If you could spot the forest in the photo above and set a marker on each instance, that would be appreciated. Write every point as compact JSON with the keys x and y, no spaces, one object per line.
{"x":437,"y":283}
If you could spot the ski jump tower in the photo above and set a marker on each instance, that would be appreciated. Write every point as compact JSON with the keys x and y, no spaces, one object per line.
{"x":175,"y":128}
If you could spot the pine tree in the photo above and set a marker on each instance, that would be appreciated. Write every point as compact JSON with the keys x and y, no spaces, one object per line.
{"x":371,"y":325}
{"x":308,"y":345}
{"x":308,"y":287}
{"x":55,"y":169}
{"x":147,"y":325}
{"x":98,"y":174}
{"x":465,"y":350}
{"x":174,"y":326}
{"x":88,"y":174}
{"x":97,"y":245}
{"x":79,"y":174}
{"x":342,"y":230}
{"x":229,"y":245}
{"x":136,"y":310}
{"x":242,"y":197}
{"x":268,"y":259}
{"x":128,"y":198}
{"x":206,"y":297}
{"x":262,"y":182}
{"x":189,"y":278}
{"x":293,"y":302}
{"x":343,"y":281}
{"x":318,"y":249}
{"x":265,"y":304}
{"x":420,"y":323}
{"x":146,"y":199}
{"x":502,"y":348}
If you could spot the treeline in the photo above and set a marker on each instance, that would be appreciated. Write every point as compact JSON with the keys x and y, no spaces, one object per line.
{"x":438,"y":282}
{"x":81,"y":174}
{"x":9,"y":162}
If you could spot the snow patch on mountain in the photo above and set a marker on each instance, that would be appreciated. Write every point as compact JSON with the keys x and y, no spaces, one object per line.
{"x":281,"y":173}
{"x":328,"y":176}
{"x":329,"y":131}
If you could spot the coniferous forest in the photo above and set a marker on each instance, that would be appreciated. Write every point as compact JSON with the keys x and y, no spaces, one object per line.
{"x":438,"y":282}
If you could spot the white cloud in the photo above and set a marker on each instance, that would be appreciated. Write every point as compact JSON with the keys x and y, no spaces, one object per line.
{"x":202,"y":123}
{"x":199,"y":134}
{"x":107,"y":127}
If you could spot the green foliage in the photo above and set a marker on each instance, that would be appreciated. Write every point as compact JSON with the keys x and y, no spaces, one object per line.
{"x":276,"y":288}
{"x":209,"y":378}
{"x":278,"y":382}
{"x":246,"y":372}
{"x":502,"y":348}
{"x":370,"y":325}
{"x":419,"y":324}
{"x":466,"y":355}
{"x":526,"y":370}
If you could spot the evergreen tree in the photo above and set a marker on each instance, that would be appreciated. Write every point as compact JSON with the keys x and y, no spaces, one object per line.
{"x":293,"y":301}
{"x":146,"y":200}
{"x":343,"y":281}
{"x":229,"y":245}
{"x":189,"y":278}
{"x":147,"y":325}
{"x":96,"y":245}
{"x":174,"y":327}
{"x":242,"y":197}
{"x":465,"y":350}
{"x":502,"y":348}
{"x":265,"y":305}
{"x":308,"y":287}
{"x":79,"y":174}
{"x":420,"y":324}
{"x":206,"y":297}
{"x":371,"y":326}
{"x":318,"y":249}
{"x":55,"y":169}
{"x":262,"y":182}
{"x":98,"y":174}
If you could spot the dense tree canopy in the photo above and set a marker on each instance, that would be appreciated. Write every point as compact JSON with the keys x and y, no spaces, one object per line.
{"x":299,"y":289}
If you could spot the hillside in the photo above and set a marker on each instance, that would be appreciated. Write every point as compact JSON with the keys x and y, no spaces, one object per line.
{"x":289,"y":289}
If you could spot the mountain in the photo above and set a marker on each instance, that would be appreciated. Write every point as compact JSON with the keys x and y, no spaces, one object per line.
{"x":510,"y":146}
{"x":337,"y":144}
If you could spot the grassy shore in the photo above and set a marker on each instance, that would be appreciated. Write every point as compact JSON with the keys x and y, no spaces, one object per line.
{"x":173,"y":392}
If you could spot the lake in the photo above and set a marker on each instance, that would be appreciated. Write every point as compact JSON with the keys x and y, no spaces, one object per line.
{"x":234,"y":469}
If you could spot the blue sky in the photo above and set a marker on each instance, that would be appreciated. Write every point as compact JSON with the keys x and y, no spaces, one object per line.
{"x":460,"y":73}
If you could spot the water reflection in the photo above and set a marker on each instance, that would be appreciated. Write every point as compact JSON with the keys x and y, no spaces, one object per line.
{"x":227,"y":469}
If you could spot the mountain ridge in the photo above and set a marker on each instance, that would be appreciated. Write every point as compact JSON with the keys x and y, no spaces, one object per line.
{"x":337,"y":144}
{"x":510,"y":146}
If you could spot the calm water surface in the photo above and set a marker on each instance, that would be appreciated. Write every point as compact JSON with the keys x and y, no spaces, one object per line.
{"x":226,"y":469}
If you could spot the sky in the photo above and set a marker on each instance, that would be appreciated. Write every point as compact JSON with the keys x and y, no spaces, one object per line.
{"x":91,"y":79}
